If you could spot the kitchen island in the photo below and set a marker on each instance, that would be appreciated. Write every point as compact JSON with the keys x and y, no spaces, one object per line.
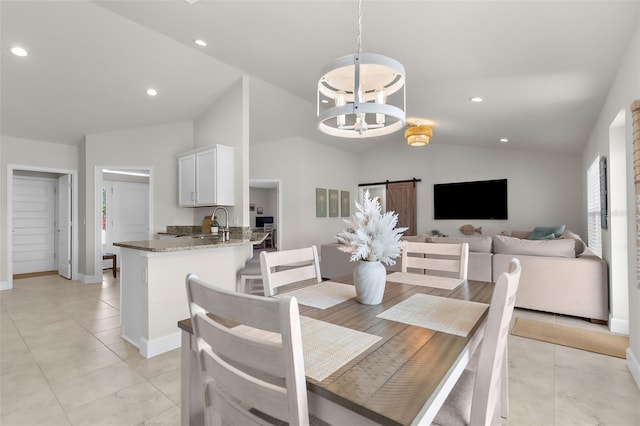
{"x":152,"y":283}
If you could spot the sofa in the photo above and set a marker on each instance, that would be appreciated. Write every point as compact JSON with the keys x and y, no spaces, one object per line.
{"x":559,"y":275}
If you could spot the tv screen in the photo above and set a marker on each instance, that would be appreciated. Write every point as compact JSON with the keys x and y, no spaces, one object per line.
{"x":261,"y":220}
{"x":485,"y":199}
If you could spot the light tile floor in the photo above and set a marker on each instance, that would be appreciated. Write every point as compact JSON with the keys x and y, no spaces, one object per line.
{"x":63,"y":363}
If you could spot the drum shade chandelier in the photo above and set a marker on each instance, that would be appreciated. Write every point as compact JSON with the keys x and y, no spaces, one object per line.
{"x":362,"y":95}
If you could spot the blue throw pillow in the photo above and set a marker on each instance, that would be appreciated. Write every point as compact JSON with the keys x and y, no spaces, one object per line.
{"x":546,"y":232}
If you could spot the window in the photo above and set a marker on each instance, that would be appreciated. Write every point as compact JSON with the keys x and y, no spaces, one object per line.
{"x":594,"y":237}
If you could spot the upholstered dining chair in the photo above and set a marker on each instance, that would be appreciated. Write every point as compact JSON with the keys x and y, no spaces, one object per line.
{"x":289,"y":266}
{"x":481,"y":397}
{"x":449,"y":259}
{"x":248,"y":379}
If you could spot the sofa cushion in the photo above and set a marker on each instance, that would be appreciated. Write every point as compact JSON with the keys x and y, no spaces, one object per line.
{"x":580,"y":245}
{"x":476,"y":244}
{"x":549,"y":248}
{"x":546,"y":232}
{"x":414,"y":238}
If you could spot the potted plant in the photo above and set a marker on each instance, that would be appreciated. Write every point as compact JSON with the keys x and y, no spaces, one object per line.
{"x":372,"y":239}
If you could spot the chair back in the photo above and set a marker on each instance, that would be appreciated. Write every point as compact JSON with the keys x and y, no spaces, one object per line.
{"x":243,"y":372}
{"x":268,"y":229}
{"x":490,"y":392}
{"x":450,"y":259}
{"x":289,"y":266}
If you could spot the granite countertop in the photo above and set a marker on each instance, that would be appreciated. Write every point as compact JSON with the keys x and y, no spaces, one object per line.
{"x":194,"y":242}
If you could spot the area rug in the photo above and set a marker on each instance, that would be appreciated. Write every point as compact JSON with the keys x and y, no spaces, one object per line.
{"x":588,"y":340}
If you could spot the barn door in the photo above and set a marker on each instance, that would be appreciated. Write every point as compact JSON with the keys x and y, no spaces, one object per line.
{"x":401,"y":198}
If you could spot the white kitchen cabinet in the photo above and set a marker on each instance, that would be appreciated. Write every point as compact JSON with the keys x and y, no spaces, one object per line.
{"x":206,"y":177}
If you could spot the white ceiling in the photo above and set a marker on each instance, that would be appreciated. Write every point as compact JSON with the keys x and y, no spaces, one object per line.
{"x":543,"y":67}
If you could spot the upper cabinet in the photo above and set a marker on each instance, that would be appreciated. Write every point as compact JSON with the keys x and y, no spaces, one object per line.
{"x":206,"y":177}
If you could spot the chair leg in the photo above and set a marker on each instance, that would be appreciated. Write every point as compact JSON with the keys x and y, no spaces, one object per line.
{"x":242,"y":287}
{"x":504,"y":388}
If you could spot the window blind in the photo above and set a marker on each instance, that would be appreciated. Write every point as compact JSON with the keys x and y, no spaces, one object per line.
{"x":594,"y":231}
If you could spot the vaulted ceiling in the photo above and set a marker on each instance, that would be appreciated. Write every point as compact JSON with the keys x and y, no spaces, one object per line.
{"x":543,"y":68}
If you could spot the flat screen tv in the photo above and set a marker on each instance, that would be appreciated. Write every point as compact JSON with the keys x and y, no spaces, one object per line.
{"x":261,"y":220}
{"x":485,"y":199}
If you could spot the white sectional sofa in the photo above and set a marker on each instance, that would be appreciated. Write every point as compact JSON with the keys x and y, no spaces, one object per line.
{"x":559,"y":275}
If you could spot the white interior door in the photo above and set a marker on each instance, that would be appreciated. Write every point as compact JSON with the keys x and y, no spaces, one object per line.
{"x":33,"y":248}
{"x":64,"y":226}
{"x":131,"y":213}
{"x":127,"y":213}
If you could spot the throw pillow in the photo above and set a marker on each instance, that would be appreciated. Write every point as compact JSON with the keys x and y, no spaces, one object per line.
{"x":580,"y":245}
{"x":549,"y":248}
{"x":520,"y":234}
{"x":543,"y":232}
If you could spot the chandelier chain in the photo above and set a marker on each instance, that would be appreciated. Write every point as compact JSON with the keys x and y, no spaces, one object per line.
{"x":359,"y":26}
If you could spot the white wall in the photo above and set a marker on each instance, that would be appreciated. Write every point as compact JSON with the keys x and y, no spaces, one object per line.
{"x":226,"y":122}
{"x":267,"y":198}
{"x":625,"y":305}
{"x":543,"y":189}
{"x":155,"y":148}
{"x":302,"y":166}
{"x":32,"y":153}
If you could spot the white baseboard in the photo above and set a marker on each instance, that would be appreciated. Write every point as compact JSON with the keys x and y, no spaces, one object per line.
{"x":5,"y":285}
{"x":151,"y":348}
{"x":618,"y":326}
{"x":634,"y":366}
{"x":89,"y":279}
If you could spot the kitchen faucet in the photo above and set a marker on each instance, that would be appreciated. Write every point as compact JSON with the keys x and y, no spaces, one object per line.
{"x":225,"y":230}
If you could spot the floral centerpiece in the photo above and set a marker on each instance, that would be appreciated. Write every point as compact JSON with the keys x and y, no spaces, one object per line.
{"x":372,"y":238}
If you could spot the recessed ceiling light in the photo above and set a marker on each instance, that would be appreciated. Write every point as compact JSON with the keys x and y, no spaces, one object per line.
{"x":504,"y":140}
{"x":476,"y":99}
{"x":324,"y":101}
{"x":151,"y":91}
{"x":200,"y":42}
{"x":19,"y":51}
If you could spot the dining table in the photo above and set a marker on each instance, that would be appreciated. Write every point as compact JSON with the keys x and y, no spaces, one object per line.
{"x":388,"y":364}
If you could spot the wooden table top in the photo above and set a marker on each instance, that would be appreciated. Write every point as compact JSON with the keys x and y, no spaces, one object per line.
{"x":390,"y":382}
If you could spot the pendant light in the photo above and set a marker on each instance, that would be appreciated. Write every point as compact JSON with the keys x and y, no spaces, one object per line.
{"x":361,"y":95}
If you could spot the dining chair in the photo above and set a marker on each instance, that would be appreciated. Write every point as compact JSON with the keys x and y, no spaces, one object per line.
{"x":248,"y":379}
{"x":268,"y":228}
{"x":481,"y":397}
{"x":446,"y":259}
{"x":289,"y":266}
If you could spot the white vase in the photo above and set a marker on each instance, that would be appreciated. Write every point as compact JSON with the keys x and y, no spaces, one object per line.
{"x":370,"y":279}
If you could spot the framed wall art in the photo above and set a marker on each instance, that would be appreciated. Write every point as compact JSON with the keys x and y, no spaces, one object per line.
{"x":334,"y":203}
{"x":344,"y":203}
{"x":321,"y":202}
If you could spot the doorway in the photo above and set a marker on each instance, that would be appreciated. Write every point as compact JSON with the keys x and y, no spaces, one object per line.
{"x":265,"y":202}
{"x":123,"y":210}
{"x":41,"y":237}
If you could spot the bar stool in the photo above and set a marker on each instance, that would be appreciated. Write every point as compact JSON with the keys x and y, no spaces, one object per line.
{"x":251,"y":272}
{"x":106,"y":256}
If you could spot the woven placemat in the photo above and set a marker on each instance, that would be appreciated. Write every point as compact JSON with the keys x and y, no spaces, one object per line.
{"x":323,"y":295}
{"x":588,"y":340}
{"x":425,"y":280}
{"x":451,"y":316}
{"x":326,"y":346}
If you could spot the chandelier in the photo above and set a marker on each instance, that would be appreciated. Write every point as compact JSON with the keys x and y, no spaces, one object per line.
{"x":361,"y":95}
